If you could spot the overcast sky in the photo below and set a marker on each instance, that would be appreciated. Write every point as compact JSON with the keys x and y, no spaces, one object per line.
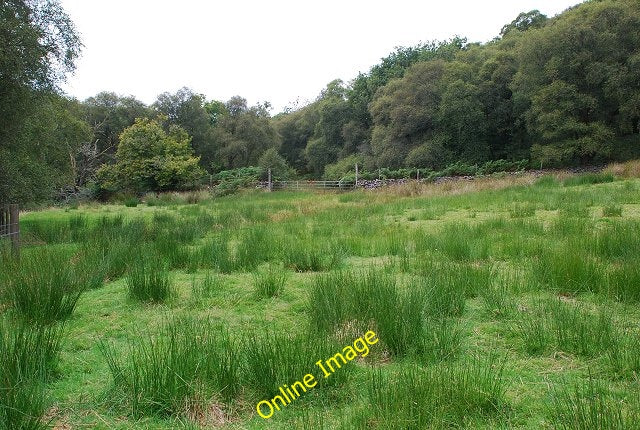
{"x":276,"y":51}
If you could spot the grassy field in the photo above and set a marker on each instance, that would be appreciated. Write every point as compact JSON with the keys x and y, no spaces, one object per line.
{"x":501,"y":303}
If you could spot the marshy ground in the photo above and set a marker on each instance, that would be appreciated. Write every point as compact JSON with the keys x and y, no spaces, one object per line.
{"x":508,"y":303}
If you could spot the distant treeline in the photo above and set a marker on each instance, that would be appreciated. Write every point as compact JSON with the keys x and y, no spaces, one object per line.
{"x":558,"y":91}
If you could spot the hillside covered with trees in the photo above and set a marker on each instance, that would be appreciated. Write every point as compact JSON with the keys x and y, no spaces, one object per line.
{"x":556,"y":91}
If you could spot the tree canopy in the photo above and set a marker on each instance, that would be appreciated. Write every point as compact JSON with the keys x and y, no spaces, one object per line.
{"x":557,"y":91}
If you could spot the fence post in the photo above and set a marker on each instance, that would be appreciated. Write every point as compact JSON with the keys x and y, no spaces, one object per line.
{"x":417,"y":174}
{"x":270,"y":184}
{"x":356,"y":175}
{"x":14,"y":228}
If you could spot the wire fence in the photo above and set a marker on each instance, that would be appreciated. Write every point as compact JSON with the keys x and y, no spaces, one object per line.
{"x":10,"y":224}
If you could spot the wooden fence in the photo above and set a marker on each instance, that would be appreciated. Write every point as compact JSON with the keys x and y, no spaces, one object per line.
{"x":10,"y":225}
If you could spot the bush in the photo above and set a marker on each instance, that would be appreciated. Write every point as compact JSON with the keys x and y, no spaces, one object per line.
{"x":230,"y":181}
{"x":280,"y":170}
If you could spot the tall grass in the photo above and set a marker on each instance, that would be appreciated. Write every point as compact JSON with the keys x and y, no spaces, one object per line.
{"x":558,"y":326}
{"x":588,"y":179}
{"x":619,"y":240}
{"x":306,"y":256}
{"x":149,"y":280}
{"x":275,"y":359}
{"x":566,"y":270}
{"x":269,"y":282}
{"x":215,"y":253}
{"x":28,"y":357}
{"x":187,"y":362}
{"x":623,"y":357}
{"x":444,"y":396}
{"x":624,"y":282}
{"x":591,"y":406}
{"x":43,"y":286}
{"x":407,"y":321}
{"x":205,"y":287}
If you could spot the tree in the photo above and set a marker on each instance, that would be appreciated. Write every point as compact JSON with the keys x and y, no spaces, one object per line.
{"x":405,"y":112}
{"x":295,"y":129}
{"x":187,"y":110}
{"x":243,"y":134}
{"x":38,"y":165}
{"x":39,"y":47}
{"x":524,"y":22}
{"x":280,"y":170}
{"x":150,"y":159}
{"x":39,"y":131}
{"x":108,"y":114}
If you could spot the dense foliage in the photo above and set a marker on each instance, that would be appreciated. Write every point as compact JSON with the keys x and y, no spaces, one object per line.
{"x":557,"y":91}
{"x":148,"y":159}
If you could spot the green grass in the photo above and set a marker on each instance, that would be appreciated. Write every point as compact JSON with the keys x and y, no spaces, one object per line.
{"x":173,"y":329}
{"x":445,"y":396}
{"x":269,"y":282}
{"x":28,"y":359}
{"x":588,"y":179}
{"x":42,"y":286}
{"x":591,"y":406}
{"x":556,"y":326}
{"x":188,"y":362}
{"x":148,"y":279}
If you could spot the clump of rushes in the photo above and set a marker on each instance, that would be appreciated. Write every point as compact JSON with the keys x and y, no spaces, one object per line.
{"x":43,"y":286}
{"x":407,"y":322}
{"x":205,"y":287}
{"x":624,"y":283}
{"x":187,"y":362}
{"x":305,"y":256}
{"x":612,"y":211}
{"x":443,"y":396}
{"x":269,"y":282}
{"x":590,"y":405}
{"x":28,"y":356}
{"x":558,"y":326}
{"x":567,"y":271}
{"x":148,"y":279}
{"x":276,"y":359}
{"x":623,"y":357}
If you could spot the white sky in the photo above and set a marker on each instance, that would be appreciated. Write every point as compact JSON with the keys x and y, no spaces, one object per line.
{"x":276,"y":51}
